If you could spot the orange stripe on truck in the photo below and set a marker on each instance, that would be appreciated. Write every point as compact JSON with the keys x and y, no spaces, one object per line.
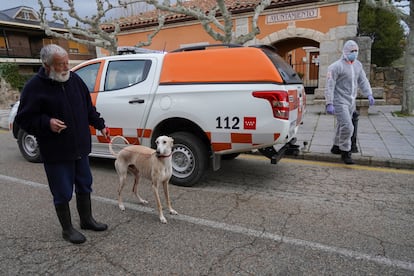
{"x":245,"y":138}
{"x":94,"y":95}
{"x":114,"y":131}
{"x":221,"y":146}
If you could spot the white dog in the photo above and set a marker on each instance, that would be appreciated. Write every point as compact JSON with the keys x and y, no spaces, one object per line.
{"x":154,"y":165}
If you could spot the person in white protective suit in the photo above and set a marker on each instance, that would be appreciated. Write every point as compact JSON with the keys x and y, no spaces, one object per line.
{"x":343,"y":79}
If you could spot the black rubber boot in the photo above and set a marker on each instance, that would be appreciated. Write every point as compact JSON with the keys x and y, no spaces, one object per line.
{"x":83,"y":203}
{"x":335,"y":149}
{"x":355,"y":118}
{"x":346,"y":157}
{"x":69,"y":233}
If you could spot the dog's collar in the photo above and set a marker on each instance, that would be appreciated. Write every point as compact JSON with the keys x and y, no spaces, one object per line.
{"x":163,"y":156}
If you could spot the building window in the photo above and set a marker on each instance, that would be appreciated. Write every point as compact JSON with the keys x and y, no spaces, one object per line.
{"x":3,"y":44}
{"x":47,"y":41}
{"x":242,"y":26}
{"x":25,"y":15}
{"x":29,"y":15}
{"x":78,"y":48}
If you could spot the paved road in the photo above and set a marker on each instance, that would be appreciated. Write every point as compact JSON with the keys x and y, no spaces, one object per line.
{"x":250,"y":218}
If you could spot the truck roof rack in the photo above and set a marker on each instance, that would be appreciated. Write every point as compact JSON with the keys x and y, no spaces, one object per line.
{"x":204,"y":47}
{"x":126,"y":50}
{"x":263,"y":46}
{"x":229,"y":45}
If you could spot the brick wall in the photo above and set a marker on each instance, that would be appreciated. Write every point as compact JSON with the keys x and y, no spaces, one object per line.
{"x":8,"y":95}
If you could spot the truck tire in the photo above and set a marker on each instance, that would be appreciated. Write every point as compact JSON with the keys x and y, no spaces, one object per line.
{"x":28,"y":146}
{"x":189,"y":159}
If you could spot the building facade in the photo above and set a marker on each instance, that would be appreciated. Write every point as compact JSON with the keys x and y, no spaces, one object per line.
{"x":308,"y":34}
{"x":21,"y":39}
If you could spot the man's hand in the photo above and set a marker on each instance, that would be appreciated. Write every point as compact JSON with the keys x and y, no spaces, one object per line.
{"x":105,"y":133}
{"x":57,"y":125}
{"x":330,"y":109}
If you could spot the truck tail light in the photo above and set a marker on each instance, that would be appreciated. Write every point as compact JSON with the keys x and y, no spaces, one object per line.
{"x":279,"y":101}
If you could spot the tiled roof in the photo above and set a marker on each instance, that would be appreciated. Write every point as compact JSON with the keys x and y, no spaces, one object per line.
{"x":9,"y":15}
{"x":234,"y":6}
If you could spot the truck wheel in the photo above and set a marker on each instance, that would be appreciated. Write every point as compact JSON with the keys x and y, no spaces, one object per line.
{"x":28,"y":147}
{"x":189,"y":159}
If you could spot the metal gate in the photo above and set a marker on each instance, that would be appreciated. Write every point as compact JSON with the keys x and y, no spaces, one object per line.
{"x":309,"y":72}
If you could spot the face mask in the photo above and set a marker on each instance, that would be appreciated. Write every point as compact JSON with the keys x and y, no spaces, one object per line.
{"x":352,"y":56}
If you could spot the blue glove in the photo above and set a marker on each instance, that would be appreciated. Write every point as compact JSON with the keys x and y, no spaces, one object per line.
{"x":330,"y":109}
{"x":371,"y":100}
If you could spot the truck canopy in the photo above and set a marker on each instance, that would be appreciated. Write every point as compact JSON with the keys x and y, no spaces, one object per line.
{"x":226,"y":65}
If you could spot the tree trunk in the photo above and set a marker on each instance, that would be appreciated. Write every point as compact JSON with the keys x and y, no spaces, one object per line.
{"x":408,"y":85}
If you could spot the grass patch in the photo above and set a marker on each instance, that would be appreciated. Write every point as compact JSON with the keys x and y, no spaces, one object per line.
{"x":400,"y":114}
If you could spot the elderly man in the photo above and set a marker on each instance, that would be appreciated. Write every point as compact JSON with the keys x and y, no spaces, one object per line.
{"x":56,"y":107}
{"x":342,"y":81}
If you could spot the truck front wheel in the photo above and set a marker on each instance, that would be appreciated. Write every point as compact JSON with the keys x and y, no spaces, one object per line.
{"x":189,"y":159}
{"x":28,"y":146}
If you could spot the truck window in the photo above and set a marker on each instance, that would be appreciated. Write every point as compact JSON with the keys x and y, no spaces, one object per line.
{"x":124,"y":73}
{"x":88,"y":75}
{"x":286,"y":71}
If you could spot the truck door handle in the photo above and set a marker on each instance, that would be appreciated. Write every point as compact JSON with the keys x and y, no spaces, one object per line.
{"x":136,"y":101}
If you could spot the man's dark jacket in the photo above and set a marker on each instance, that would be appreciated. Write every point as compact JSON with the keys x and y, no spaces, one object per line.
{"x":42,"y":99}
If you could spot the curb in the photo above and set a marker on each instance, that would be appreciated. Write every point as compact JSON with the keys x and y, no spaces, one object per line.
{"x":359,"y":160}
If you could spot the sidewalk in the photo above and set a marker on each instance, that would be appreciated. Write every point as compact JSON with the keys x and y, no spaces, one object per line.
{"x":383,"y":139}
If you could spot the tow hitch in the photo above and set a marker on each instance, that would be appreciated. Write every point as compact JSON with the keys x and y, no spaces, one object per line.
{"x":289,"y":149}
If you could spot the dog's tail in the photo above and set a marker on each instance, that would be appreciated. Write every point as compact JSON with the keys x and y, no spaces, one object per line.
{"x":112,"y":140}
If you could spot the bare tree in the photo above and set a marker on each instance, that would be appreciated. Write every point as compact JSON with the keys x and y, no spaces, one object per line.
{"x":217,"y":21}
{"x":407,"y":106}
{"x":132,"y":8}
{"x":88,"y":29}
{"x":408,"y":85}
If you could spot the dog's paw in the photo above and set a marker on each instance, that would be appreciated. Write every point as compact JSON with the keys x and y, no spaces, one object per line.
{"x":143,"y":201}
{"x":163,"y":220}
{"x":122,"y":207}
{"x":173,"y":212}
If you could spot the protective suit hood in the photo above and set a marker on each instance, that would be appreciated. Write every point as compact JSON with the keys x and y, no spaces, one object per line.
{"x":348,"y":51}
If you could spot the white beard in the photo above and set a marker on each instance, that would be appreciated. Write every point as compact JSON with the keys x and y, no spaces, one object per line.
{"x":59,"y":77}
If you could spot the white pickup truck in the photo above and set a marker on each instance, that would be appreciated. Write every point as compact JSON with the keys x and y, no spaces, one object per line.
{"x":216,"y":102}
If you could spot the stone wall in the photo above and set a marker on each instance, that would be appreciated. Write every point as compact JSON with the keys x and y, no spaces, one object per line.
{"x":391,"y":80}
{"x":386,"y":83}
{"x":8,"y":96}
